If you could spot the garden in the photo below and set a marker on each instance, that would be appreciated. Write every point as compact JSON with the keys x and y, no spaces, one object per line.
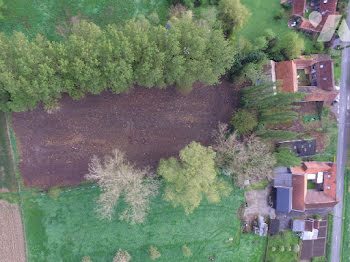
{"x":284,"y":247}
{"x":67,"y":229}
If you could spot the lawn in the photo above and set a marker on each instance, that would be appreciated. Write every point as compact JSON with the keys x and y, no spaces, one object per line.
{"x":284,"y":244}
{"x":44,"y":16}
{"x":67,"y":229}
{"x":262,"y":17}
{"x":7,"y":173}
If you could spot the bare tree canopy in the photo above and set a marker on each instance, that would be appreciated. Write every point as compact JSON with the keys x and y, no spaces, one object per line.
{"x":117,"y":178}
{"x":247,"y":159}
{"x":122,"y":256}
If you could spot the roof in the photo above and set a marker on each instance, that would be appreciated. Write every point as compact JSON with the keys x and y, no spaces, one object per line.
{"x":299,"y":192}
{"x":317,"y":94}
{"x":317,"y":247}
{"x":298,"y":225}
{"x":286,"y":72}
{"x":299,"y":7}
{"x":301,"y":148}
{"x":282,"y":177}
{"x":330,"y":182}
{"x":309,"y":225}
{"x":312,"y":167}
{"x":325,"y":74}
{"x":274,"y":227}
{"x":284,"y":199}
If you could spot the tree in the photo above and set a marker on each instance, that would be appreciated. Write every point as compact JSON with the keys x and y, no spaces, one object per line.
{"x":275,"y":117}
{"x":195,"y":52}
{"x":291,"y":45}
{"x":285,"y":157}
{"x":244,"y":121}
{"x":232,"y":14}
{"x":248,"y":159}
{"x":154,"y":253}
{"x":191,"y":177}
{"x":86,"y":259}
{"x":122,"y":256}
{"x":117,"y":178}
{"x":277,"y":135}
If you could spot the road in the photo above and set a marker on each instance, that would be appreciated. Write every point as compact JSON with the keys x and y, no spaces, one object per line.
{"x":343,"y":138}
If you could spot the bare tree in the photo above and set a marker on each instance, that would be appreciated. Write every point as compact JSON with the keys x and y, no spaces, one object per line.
{"x":243,"y":159}
{"x":117,"y":178}
{"x":122,"y":256}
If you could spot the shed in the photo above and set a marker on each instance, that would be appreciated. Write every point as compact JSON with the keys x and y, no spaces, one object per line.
{"x":274,"y":226}
{"x":284,"y":199}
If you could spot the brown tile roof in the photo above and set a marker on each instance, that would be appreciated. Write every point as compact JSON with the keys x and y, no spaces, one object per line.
{"x":325,"y":75}
{"x":317,"y":224}
{"x":317,"y":94}
{"x":309,"y":225}
{"x":286,"y":72}
{"x":299,"y":191}
{"x":330,"y":182}
{"x":299,"y":7}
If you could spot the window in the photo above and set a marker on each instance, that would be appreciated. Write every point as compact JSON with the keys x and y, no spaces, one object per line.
{"x":321,"y":66}
{"x":328,"y":176}
{"x":328,"y":187}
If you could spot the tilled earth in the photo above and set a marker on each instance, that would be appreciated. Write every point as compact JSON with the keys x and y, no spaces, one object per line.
{"x":148,"y":124}
{"x":12,"y":248}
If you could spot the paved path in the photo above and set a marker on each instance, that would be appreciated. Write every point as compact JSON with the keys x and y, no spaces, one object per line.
{"x":343,"y":137}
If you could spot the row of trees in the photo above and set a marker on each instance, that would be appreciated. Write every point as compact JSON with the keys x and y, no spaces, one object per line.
{"x":188,"y":178}
{"x":116,"y":58}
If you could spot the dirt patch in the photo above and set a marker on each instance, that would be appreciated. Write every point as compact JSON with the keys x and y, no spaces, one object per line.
{"x":148,"y":124}
{"x":12,"y":248}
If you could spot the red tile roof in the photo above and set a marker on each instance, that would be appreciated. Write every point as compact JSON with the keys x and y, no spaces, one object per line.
{"x":330,"y":181}
{"x":299,"y":184}
{"x":317,"y":94}
{"x":286,"y":72}
{"x":299,"y":7}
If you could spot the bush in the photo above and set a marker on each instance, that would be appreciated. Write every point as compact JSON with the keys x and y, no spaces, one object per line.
{"x":273,"y":249}
{"x":154,"y":253}
{"x":54,"y":192}
{"x":296,"y":248}
{"x":244,"y":122}
{"x":282,"y":248}
{"x":86,"y":259}
{"x":186,"y":251}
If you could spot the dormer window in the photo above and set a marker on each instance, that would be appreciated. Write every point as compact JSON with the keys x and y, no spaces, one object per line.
{"x":325,"y":78}
{"x":329,"y":176}
{"x":321,"y":66}
{"x":325,"y":1}
{"x":328,"y":187}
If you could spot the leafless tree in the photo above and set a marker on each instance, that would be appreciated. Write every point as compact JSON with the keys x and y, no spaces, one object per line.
{"x":122,"y":256}
{"x":243,"y":159}
{"x":118,"y":178}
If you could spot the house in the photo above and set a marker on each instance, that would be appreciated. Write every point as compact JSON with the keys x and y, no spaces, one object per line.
{"x":301,"y":148}
{"x":308,"y":228}
{"x":310,"y":186}
{"x":313,"y":75}
{"x":326,"y":10}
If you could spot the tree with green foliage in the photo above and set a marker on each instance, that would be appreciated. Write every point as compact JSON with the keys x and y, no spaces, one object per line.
{"x":233,"y":15}
{"x":195,"y":52}
{"x":118,"y":178}
{"x":277,"y":135}
{"x":244,"y":121}
{"x":191,"y":177}
{"x":291,"y":45}
{"x":275,"y":117}
{"x":286,"y":157}
{"x":248,"y":159}
{"x":122,"y":256}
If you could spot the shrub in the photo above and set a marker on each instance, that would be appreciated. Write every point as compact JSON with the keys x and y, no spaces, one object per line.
{"x":86,"y":259}
{"x":54,"y":192}
{"x":122,"y":256}
{"x":243,"y":121}
{"x":296,"y":248}
{"x":289,"y":248}
{"x":186,"y":251}
{"x":154,"y":253}
{"x":273,"y":249}
{"x":282,"y":248}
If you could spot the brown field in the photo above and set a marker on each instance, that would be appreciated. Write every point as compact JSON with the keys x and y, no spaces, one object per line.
{"x":148,"y":124}
{"x":12,"y":248}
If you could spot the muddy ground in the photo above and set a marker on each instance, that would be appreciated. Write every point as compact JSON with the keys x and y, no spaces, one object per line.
{"x":148,"y":124}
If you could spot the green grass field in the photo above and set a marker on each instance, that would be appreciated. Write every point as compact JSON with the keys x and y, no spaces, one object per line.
{"x":7,"y":173}
{"x":32,"y":17}
{"x":262,"y":17}
{"x":67,"y":229}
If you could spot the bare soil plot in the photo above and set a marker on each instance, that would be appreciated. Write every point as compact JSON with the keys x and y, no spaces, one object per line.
{"x":148,"y":124}
{"x":12,"y":247}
